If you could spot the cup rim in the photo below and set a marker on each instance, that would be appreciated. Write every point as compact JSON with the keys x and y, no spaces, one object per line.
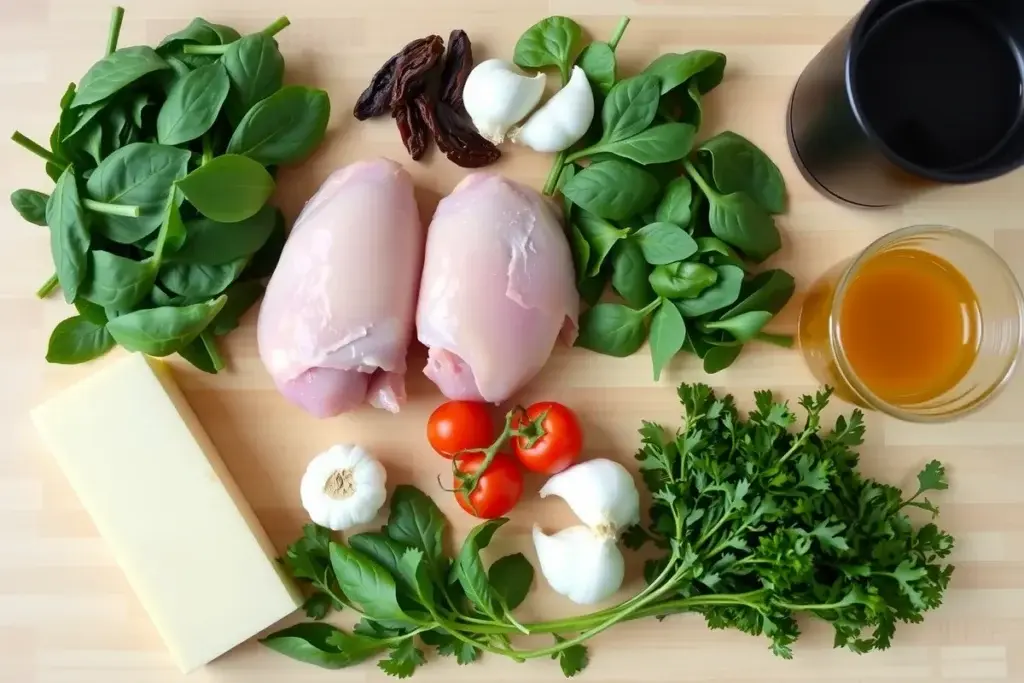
{"x":843,"y":365}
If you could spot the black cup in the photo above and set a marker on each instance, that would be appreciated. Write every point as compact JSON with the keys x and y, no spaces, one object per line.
{"x":912,"y":95}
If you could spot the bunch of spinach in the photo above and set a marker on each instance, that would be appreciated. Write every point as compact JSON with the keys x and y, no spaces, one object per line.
{"x":672,"y":225}
{"x":164,"y":160}
{"x":754,"y":523}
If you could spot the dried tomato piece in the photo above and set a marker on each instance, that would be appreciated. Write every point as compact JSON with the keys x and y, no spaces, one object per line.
{"x":457,"y":65}
{"x":414,"y":68}
{"x":459,"y":140}
{"x":376,"y":99}
{"x":412,"y":128}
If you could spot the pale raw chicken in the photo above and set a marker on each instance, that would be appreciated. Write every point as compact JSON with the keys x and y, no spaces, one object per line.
{"x":497,"y":291}
{"x":337,"y":318}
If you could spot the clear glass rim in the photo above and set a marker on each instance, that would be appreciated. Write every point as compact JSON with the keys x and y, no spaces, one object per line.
{"x":843,"y":364}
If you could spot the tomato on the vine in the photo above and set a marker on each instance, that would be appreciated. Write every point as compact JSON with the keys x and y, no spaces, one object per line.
{"x":457,"y":426}
{"x":498,"y":489}
{"x":553,"y":439}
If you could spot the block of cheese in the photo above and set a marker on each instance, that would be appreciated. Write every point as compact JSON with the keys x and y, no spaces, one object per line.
{"x":150,"y":478}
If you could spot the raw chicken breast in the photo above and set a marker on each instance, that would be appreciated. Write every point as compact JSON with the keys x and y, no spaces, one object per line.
{"x":497,"y":290}
{"x":337,"y":317}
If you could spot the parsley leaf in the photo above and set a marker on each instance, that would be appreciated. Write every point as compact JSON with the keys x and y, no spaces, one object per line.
{"x":572,"y":659}
{"x":404,"y":659}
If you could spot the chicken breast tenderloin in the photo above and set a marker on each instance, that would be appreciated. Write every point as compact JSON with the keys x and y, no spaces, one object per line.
{"x":337,"y":317}
{"x":497,"y":290}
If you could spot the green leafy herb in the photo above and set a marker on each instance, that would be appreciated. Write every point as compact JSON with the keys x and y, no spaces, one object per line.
{"x":78,"y":340}
{"x":738,"y":165}
{"x":768,"y":291}
{"x":284,"y":128}
{"x":241,"y":297}
{"x":510,"y":578}
{"x":600,"y":236}
{"x":69,"y":234}
{"x":668,"y":332}
{"x":724,"y":292}
{"x":550,"y":42}
{"x":196,"y":280}
{"x":114,"y":72}
{"x":630,"y":274}
{"x":718,"y":358}
{"x":704,"y":67}
{"x":742,"y":327}
{"x":682,"y":280}
{"x":164,"y":330}
{"x":193,"y":104}
{"x":598,"y":61}
{"x":674,"y":206}
{"x":256,"y":69}
{"x":31,"y":205}
{"x":613,"y":329}
{"x":469,"y":568}
{"x":417,"y":522}
{"x":404,"y":659}
{"x":367,"y":584}
{"x":657,"y":145}
{"x":664,"y":243}
{"x":229,"y":189}
{"x":118,"y":282}
{"x":612,"y":189}
{"x":630,"y":108}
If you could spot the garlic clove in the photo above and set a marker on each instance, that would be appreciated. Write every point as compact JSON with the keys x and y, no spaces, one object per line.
{"x":580,"y":564}
{"x":343,"y":487}
{"x":601,"y":492}
{"x":498,"y":95}
{"x":563,"y":119}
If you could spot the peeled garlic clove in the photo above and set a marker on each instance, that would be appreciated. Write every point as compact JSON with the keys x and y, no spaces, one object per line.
{"x":343,"y":487}
{"x":563,"y":119}
{"x":582,"y":565}
{"x":601,"y":492}
{"x":498,"y":95}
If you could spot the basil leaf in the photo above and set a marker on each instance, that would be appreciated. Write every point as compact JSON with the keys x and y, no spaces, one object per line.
{"x":612,"y":329}
{"x":114,"y":72}
{"x":664,"y":243}
{"x":90,"y":311}
{"x":549,"y":42}
{"x":724,"y":292}
{"x":264,"y":262}
{"x":668,"y":332}
{"x":674,"y":206}
{"x":742,"y":327}
{"x":323,"y":645}
{"x":284,"y":128}
{"x":256,"y":69}
{"x":598,"y":61}
{"x":601,"y":236}
{"x":683,"y":280}
{"x":199,"y":32}
{"x":118,"y":282}
{"x":192,"y":105}
{"x":720,"y":252}
{"x":413,"y":572}
{"x":69,"y":234}
{"x":228,"y":189}
{"x":629,"y":275}
{"x":163,"y":331}
{"x":510,"y":578}
{"x":740,"y":221}
{"x":706,"y":68}
{"x":208,"y":242}
{"x":199,"y":280}
{"x":65,"y":123}
{"x":385,"y":551}
{"x":140,"y":174}
{"x":241,"y":297}
{"x":718,"y":358}
{"x":470,"y":568}
{"x":77,"y":340}
{"x":738,"y":165}
{"x":658,"y":145}
{"x":580,"y":252}
{"x":367,"y":584}
{"x":630,"y":107}
{"x":196,"y":353}
{"x":30,"y":205}
{"x":768,"y":291}
{"x":86,"y":117}
{"x":612,"y":189}
{"x":592,"y":288}
{"x":416,"y":521}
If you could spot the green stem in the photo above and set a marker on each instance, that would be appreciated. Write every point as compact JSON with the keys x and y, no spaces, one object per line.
{"x":47,"y":287}
{"x":467,"y":482}
{"x":115,"y":29}
{"x":650,"y":308}
{"x":695,"y":175}
{"x":211,"y":348}
{"x":620,"y":28}
{"x":111,"y":209}
{"x":37,"y":149}
{"x":279,"y":24}
{"x":554,"y":174}
{"x":783,"y":340}
{"x":276,"y":27}
{"x":207,"y":149}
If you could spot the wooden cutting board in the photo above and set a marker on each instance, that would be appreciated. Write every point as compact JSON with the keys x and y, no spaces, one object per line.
{"x":66,"y":613}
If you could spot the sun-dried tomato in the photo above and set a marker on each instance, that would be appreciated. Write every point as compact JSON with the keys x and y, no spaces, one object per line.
{"x":412,"y":128}
{"x":457,"y":65}
{"x":459,"y":140}
{"x":414,"y":68}
{"x":376,"y":99}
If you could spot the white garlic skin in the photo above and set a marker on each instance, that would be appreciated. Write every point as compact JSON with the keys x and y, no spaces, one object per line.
{"x":498,"y":95}
{"x":601,"y":492}
{"x":580,"y":564}
{"x":562,"y":120}
{"x":340,"y":512}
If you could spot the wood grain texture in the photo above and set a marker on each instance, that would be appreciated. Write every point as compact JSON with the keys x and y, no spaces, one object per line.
{"x":66,"y":614}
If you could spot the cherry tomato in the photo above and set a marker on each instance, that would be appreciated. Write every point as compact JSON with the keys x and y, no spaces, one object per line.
{"x":459,"y":425}
{"x":497,"y":491}
{"x":560,"y":445}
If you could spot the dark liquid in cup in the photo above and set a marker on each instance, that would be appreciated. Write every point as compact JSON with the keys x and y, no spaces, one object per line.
{"x":939,"y":83}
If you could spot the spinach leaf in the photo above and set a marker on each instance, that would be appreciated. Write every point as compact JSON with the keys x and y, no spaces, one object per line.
{"x":718,"y":358}
{"x":658,"y":145}
{"x":663,"y":243}
{"x":469,"y":568}
{"x":549,"y":42}
{"x":697,"y":344}
{"x":629,"y":275}
{"x":241,"y":297}
{"x":416,"y":521}
{"x":601,"y":237}
{"x":592,"y":288}
{"x":768,"y":291}
{"x":256,"y":69}
{"x":163,"y":331}
{"x":742,"y":327}
{"x":630,"y":108}
{"x":198,"y":355}
{"x":720,"y":252}
{"x":211,"y":243}
{"x":114,"y":72}
{"x":228,"y":189}
{"x":30,"y":205}
{"x":284,"y":128}
{"x":724,"y":292}
{"x":668,"y":332}
{"x":140,"y":102}
{"x":196,"y":281}
{"x":367,"y":584}
{"x":674,"y":206}
{"x":738,"y":165}
{"x":65,"y":123}
{"x":738,"y":220}
{"x":682,"y":280}
{"x":87,"y":116}
{"x":612,"y":189}
{"x":90,"y":311}
{"x":706,"y":68}
{"x":613,"y":329}
{"x":192,"y":105}
{"x":78,"y":340}
{"x":69,"y":234}
{"x":199,"y":32}
{"x":323,"y":645}
{"x":598,"y":61}
{"x":140,"y":174}
{"x":510,"y":578}
{"x":580,"y":252}
{"x":118,"y":282}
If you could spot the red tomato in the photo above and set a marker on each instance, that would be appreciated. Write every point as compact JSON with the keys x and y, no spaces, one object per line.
{"x":459,"y":425}
{"x":560,"y":444}
{"x":498,"y":489}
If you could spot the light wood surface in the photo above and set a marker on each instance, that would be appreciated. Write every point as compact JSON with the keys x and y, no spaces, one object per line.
{"x":66,"y":614}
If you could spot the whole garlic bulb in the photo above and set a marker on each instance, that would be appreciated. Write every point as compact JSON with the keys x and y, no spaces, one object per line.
{"x":497,"y":95}
{"x":343,"y":487}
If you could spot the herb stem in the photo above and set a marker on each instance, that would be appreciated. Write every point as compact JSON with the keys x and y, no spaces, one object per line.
{"x":111,"y":209}
{"x":277,"y":26}
{"x":554,"y":174}
{"x":273,"y":29}
{"x":116,"y":17}
{"x":695,"y":175}
{"x":211,"y":348}
{"x":37,"y":149}
{"x":47,"y":287}
{"x":783,"y":340}
{"x":207,"y":149}
{"x":620,"y":29}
